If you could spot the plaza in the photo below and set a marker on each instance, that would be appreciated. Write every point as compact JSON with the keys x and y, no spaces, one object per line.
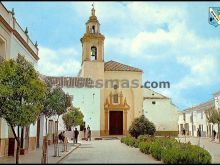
{"x":55,"y":104}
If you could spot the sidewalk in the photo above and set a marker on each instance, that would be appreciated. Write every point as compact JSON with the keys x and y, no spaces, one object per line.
{"x":213,"y":147}
{"x":35,"y":156}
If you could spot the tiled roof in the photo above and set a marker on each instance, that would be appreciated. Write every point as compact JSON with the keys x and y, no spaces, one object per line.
{"x":202,"y":107}
{"x":116,"y":66}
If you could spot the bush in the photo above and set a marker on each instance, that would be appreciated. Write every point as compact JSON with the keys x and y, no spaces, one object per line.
{"x":141,"y":126}
{"x":156,"y":149}
{"x":145,"y":138}
{"x":169,"y":150}
{"x":145,"y":147}
{"x":130,"y":141}
{"x":186,"y":154}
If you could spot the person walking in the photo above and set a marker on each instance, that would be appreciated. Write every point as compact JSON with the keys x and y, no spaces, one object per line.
{"x":89,"y":134}
{"x":199,"y":135}
{"x":65,"y":142}
{"x":214,"y":134}
{"x":88,"y":127}
{"x":184,"y":134}
{"x":76,"y":133}
{"x":84,"y":132}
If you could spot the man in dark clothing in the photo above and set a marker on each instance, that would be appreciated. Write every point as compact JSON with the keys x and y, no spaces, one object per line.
{"x":198,"y":132}
{"x":76,"y":133}
{"x":84,"y":131}
{"x":199,"y":135}
{"x":184,"y":131}
{"x":61,"y":136}
{"x":214,"y":134}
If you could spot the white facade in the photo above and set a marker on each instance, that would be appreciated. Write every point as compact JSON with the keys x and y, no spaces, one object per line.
{"x":13,"y":42}
{"x":88,"y":100}
{"x":160,"y":110}
{"x":193,"y":118}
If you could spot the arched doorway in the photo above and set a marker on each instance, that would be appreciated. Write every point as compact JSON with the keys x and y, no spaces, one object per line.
{"x":116,"y":114}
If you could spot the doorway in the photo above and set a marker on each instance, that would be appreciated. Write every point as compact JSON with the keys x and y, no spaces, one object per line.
{"x":116,"y":122}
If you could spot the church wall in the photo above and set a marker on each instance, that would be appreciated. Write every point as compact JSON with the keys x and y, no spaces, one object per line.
{"x":88,"y":100}
{"x":160,"y":110}
{"x":133,"y":95}
{"x":163,"y":114}
{"x":93,"y":69}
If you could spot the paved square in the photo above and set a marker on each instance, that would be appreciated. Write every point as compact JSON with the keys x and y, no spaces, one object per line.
{"x":107,"y":151}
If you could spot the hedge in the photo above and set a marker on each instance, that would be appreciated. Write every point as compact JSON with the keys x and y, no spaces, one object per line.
{"x":169,"y":150}
{"x":130,"y":141}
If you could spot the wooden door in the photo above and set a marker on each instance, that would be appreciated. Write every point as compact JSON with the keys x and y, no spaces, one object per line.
{"x":11,"y":146}
{"x":116,"y":122}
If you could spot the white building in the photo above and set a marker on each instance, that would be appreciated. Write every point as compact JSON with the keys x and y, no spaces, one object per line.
{"x":111,"y":110}
{"x":193,"y":118}
{"x":13,"y":41}
{"x":161,"y":111}
{"x":87,"y":99}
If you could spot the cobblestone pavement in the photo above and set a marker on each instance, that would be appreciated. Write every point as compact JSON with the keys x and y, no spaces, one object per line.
{"x":107,"y":151}
{"x":212,"y":146}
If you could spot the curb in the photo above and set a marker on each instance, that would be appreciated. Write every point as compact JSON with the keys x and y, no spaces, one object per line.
{"x":67,"y":154}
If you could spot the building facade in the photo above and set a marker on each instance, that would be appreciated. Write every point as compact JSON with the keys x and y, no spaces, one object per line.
{"x":14,"y":41}
{"x":194,"y":118}
{"x":161,"y":111}
{"x":110,"y":106}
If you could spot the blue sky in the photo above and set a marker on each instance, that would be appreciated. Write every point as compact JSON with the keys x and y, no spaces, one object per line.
{"x":170,"y":41}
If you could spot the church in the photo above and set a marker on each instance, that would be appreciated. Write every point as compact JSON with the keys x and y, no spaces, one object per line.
{"x":110,"y":110}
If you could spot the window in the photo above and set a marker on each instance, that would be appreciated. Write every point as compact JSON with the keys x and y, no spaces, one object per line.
{"x":153,"y":102}
{"x":93,"y":53}
{"x":93,"y":29}
{"x":184,"y":116}
{"x":191,"y":117}
{"x":2,"y":50}
{"x":201,"y":115}
{"x":115,"y":98}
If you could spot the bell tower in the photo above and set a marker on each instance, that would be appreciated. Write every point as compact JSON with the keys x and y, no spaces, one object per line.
{"x":92,"y":49}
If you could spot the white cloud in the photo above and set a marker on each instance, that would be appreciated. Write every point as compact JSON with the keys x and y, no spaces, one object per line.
{"x":156,"y":32}
{"x":59,"y":62}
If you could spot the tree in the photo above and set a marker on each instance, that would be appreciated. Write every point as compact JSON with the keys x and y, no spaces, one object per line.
{"x":53,"y":104}
{"x":141,"y":126}
{"x":213,"y":116}
{"x":73,"y":117}
{"x":59,"y":103}
{"x":48,"y":111}
{"x":21,"y":95}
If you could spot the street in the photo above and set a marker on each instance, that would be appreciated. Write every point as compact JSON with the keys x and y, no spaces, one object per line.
{"x":107,"y":151}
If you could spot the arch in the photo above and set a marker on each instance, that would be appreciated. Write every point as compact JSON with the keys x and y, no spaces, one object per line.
{"x":93,"y":53}
{"x":120,"y":106}
{"x":93,"y":29}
